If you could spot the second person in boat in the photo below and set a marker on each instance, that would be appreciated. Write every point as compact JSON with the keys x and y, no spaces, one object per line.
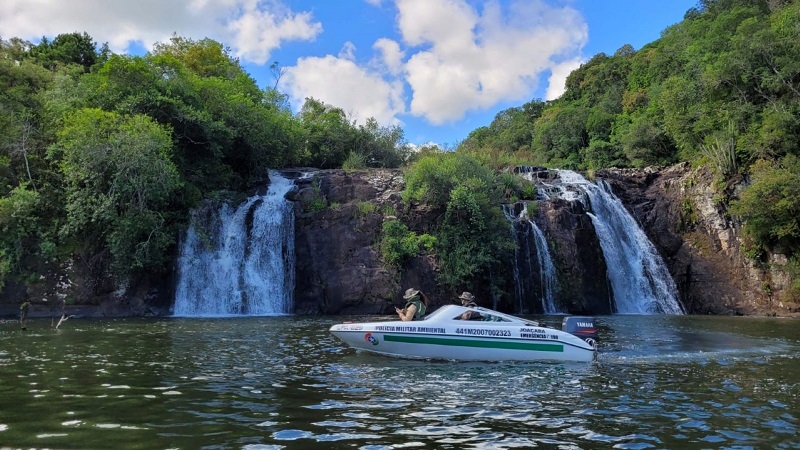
{"x":468,"y":300}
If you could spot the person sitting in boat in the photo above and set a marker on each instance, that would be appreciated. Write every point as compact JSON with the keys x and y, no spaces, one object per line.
{"x":468,"y":300}
{"x":416,"y":304}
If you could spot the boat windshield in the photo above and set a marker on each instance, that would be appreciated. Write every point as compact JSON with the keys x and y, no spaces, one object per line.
{"x":454,"y":311}
{"x":507,"y":317}
{"x":439,"y":312}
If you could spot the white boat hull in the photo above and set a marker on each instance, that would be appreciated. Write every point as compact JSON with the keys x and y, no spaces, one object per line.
{"x":446,"y":338}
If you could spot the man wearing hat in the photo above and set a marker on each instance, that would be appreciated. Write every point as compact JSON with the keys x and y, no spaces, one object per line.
{"x":416,"y":304}
{"x":468,"y":300}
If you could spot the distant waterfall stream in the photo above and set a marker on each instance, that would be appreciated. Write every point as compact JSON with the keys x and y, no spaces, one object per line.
{"x":547,"y":270}
{"x":532,"y":243}
{"x":242,"y":263}
{"x":639,"y":278}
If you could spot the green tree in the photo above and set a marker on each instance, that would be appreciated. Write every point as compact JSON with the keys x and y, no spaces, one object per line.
{"x":226,"y":131}
{"x":381,"y":146}
{"x":206,"y":58}
{"x":329,"y":137}
{"x":119,"y":181}
{"x":770,"y":206}
{"x":472,"y":237}
{"x":511,"y":130}
{"x":21,"y":87}
{"x":19,"y":228}
{"x":560,"y":134}
{"x":72,"y":48}
{"x":643,"y":141}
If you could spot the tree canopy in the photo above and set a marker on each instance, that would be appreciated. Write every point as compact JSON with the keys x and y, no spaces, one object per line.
{"x":729,"y":70}
{"x":107,"y":153}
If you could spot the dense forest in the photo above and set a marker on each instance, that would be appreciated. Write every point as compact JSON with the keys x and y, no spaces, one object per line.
{"x":104,"y":155}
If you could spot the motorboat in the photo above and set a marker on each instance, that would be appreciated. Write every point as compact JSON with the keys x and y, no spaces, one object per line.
{"x":487,"y":336}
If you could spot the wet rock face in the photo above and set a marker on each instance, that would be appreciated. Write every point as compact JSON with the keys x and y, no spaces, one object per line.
{"x":685,"y":217}
{"x":334,"y":252}
{"x":340,"y":270}
{"x":76,"y":287}
{"x":582,"y":278}
{"x":339,"y":218}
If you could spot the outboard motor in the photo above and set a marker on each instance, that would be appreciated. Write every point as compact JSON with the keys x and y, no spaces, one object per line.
{"x":583,"y":327}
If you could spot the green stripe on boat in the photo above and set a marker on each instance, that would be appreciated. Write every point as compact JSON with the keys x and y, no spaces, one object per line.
{"x":480,"y":343}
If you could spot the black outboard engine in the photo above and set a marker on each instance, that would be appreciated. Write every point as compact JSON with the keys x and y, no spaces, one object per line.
{"x":583,"y":327}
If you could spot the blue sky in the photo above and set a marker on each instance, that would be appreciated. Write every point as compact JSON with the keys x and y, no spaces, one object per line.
{"x":437,"y":68}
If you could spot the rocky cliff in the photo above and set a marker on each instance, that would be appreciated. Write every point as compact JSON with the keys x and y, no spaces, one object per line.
{"x":684,"y":213}
{"x":339,"y":217}
{"x":339,"y":268}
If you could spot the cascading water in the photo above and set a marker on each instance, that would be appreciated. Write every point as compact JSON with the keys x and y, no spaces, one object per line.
{"x":245,"y":263}
{"x":547,"y":270}
{"x":519,"y":287}
{"x":639,"y":278}
{"x":530,"y":239}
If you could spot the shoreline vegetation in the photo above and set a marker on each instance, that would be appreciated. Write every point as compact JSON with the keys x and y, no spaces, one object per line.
{"x":103,"y":156}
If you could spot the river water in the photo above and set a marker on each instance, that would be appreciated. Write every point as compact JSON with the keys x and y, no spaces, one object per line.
{"x":285,"y":382}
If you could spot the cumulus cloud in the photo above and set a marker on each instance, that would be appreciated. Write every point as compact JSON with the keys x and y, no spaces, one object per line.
{"x":257,"y":31}
{"x":343,"y":83}
{"x":253,"y":28}
{"x":472,"y":59}
{"x":449,"y":56}
{"x":557,"y":82}
{"x":390,"y":56}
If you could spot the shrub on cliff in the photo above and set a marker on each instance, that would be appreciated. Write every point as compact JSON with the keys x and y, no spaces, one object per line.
{"x":770,"y":206}
{"x":473,"y":237}
{"x":399,"y":244}
{"x":19,"y":225}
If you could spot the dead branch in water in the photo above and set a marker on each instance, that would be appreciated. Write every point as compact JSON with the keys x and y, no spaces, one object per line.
{"x":64,"y":318}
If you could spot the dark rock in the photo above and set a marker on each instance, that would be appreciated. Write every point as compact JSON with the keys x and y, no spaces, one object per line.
{"x":583,"y":286}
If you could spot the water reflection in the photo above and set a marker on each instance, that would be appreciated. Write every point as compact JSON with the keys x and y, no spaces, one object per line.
{"x":285,"y":382}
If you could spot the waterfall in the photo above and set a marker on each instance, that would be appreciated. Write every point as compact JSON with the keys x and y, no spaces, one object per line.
{"x":530,"y":239}
{"x":547,"y":270}
{"x":519,"y":288}
{"x":242,"y":264}
{"x":639,"y":278}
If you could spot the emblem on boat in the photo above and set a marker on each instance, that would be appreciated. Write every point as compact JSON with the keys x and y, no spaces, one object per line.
{"x":369,"y":337}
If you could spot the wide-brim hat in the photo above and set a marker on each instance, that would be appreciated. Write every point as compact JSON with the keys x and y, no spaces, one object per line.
{"x":467,"y":296}
{"x":410,"y":293}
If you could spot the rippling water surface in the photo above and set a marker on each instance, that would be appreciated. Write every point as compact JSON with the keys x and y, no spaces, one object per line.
{"x":285,"y":382}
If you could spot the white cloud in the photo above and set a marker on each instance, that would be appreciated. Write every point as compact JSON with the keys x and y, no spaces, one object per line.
{"x":557,"y":82}
{"x":348,"y":51}
{"x":390,"y":55}
{"x":471,"y":59}
{"x":253,"y":28}
{"x":451,"y":56}
{"x":256,"y":31}
{"x":342,"y":83}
